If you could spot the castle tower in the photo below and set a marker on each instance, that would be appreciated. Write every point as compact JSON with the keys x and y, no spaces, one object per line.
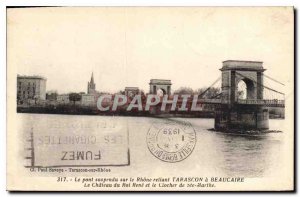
{"x":91,"y":86}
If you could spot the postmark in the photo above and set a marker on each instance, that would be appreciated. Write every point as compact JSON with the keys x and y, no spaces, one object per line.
{"x":171,"y":141}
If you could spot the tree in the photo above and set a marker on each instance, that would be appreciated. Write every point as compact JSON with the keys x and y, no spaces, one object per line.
{"x":121,"y":92}
{"x":184,"y":90}
{"x":74,"y":97}
{"x":241,"y":94}
{"x":51,"y":95}
{"x":210,"y":93}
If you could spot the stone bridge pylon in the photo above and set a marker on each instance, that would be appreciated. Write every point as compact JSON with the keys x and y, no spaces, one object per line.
{"x":231,"y":113}
{"x":160,"y":84}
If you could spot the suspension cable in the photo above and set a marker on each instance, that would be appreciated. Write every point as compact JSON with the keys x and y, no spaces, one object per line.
{"x":216,"y":96}
{"x":261,"y":84}
{"x":209,"y":88}
{"x":273,"y":79}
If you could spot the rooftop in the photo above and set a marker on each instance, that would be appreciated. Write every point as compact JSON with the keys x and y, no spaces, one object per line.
{"x":131,"y":88}
{"x":160,"y":81}
{"x":31,"y":77}
{"x":244,"y":61}
{"x":242,"y":65}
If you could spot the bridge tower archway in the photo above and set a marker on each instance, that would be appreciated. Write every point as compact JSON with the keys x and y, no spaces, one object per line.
{"x":245,"y":89}
{"x":235,"y":71}
{"x":160,"y":84}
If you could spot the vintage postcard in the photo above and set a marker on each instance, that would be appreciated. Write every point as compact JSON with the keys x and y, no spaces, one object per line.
{"x":150,"y":99}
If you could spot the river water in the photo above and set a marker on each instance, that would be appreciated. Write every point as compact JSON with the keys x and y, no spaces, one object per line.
{"x":215,"y":153}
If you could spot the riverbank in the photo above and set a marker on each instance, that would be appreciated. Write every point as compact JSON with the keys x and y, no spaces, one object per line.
{"x":81,"y":110}
{"x":86,"y":110}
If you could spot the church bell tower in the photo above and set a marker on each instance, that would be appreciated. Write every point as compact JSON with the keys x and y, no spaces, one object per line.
{"x":91,"y":86}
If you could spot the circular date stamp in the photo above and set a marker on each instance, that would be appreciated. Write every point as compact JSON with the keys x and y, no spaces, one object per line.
{"x":171,"y":141}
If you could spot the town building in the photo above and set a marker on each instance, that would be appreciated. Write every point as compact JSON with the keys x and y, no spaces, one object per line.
{"x":31,"y":88}
{"x":63,"y":98}
{"x":88,"y":99}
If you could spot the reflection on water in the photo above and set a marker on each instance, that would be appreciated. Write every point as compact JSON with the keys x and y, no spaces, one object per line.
{"x":241,"y":155}
{"x":248,"y":156}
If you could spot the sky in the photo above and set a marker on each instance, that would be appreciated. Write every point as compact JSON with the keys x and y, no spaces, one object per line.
{"x":129,"y":46}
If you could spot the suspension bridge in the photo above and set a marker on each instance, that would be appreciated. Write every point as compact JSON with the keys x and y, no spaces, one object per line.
{"x":245,"y":99}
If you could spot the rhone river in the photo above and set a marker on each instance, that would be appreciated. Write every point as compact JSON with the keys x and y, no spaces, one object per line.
{"x":215,"y":153}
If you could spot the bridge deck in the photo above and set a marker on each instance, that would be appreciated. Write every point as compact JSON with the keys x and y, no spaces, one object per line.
{"x":263,"y":102}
